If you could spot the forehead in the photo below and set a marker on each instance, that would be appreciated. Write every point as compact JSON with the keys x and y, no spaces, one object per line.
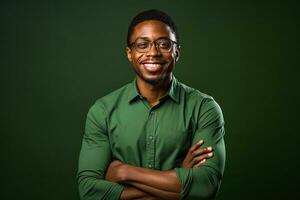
{"x":152,"y":29}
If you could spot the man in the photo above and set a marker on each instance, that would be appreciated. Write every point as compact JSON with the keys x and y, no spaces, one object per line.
{"x":154,"y":138}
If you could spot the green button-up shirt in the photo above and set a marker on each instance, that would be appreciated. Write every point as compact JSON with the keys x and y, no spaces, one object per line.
{"x":124,"y":126}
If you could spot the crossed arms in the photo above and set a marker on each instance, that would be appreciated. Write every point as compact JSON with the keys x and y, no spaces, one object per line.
{"x":142,"y":183}
{"x":99,"y":178}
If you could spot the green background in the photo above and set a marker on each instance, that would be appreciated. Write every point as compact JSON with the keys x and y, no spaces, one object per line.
{"x":58,"y":57}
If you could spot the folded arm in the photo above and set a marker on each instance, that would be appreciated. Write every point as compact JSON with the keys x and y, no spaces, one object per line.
{"x":95,"y":157}
{"x":204,"y":182}
{"x":161,"y":184}
{"x":195,"y":180}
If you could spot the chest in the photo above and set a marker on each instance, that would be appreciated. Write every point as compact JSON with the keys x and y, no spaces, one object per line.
{"x":165,"y":130}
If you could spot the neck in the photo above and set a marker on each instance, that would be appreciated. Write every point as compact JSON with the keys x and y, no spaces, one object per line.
{"x":153,"y":92}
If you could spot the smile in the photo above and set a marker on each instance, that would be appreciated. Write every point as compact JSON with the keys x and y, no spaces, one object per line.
{"x":153,"y":67}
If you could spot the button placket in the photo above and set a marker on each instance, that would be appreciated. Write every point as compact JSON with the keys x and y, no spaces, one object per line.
{"x":150,"y":140}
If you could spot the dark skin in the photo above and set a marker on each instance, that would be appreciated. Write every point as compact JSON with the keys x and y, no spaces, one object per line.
{"x":145,"y":183}
{"x":152,"y":83}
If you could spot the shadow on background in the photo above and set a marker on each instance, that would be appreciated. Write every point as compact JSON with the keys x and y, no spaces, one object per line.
{"x":58,"y":57}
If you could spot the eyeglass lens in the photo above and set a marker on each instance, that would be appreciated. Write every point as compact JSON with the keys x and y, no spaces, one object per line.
{"x":163,"y":45}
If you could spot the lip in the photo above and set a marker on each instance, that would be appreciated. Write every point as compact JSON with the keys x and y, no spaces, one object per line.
{"x":152,"y":66}
{"x":152,"y":62}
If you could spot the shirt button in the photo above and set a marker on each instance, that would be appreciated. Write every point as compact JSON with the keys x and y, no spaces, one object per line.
{"x":150,"y":137}
{"x":150,"y":166}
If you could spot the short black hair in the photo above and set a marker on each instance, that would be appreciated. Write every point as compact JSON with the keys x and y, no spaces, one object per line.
{"x":152,"y":14}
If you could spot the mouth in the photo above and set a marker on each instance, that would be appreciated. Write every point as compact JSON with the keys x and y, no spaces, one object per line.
{"x":152,"y":66}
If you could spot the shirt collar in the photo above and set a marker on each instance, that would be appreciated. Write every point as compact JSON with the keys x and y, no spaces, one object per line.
{"x":133,"y":92}
{"x":172,"y":92}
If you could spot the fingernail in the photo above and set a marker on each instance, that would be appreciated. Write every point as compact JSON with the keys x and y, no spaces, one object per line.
{"x":201,"y":141}
{"x":210,"y":154}
{"x":203,"y":160}
{"x":209,"y":148}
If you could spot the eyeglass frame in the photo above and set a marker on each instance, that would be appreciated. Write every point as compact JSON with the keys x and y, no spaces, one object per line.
{"x":156,"y":46}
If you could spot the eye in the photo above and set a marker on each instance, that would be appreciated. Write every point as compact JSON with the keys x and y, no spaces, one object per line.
{"x":164,"y":44}
{"x":142,"y":45}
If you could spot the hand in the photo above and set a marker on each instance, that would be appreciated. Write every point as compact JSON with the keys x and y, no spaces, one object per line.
{"x":152,"y":198}
{"x":195,"y":156}
{"x":149,"y":198}
{"x":115,"y":171}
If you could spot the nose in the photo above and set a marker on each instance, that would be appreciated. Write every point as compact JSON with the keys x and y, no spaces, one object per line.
{"x":153,"y":51}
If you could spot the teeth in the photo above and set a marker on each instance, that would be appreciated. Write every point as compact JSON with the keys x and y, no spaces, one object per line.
{"x":152,"y":65}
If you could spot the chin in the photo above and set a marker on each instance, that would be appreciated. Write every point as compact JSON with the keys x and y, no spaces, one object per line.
{"x":154,"y":80}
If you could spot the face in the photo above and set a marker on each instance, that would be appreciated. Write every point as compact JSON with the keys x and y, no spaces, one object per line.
{"x":153,"y":67}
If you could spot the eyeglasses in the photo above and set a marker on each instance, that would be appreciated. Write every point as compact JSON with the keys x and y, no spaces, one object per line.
{"x":163,"y":45}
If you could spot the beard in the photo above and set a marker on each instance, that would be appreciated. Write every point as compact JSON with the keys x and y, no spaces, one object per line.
{"x":154,"y":82}
{"x":160,"y":79}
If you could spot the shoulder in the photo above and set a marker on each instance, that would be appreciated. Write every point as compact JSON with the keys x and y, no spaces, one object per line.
{"x":203,"y":105}
{"x":194,"y":95}
{"x":112,"y":98}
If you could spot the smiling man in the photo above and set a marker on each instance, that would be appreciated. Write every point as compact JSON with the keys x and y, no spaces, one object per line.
{"x":154,"y":138}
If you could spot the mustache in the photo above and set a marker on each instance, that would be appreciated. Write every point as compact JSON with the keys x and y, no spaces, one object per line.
{"x":152,"y":60}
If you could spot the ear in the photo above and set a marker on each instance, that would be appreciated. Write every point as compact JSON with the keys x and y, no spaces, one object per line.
{"x":128,"y":51}
{"x":177,"y":53}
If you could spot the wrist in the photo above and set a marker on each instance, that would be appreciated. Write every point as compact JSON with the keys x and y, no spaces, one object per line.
{"x":123,"y":172}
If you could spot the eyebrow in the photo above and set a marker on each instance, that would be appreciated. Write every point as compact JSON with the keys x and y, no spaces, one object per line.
{"x":147,"y":38}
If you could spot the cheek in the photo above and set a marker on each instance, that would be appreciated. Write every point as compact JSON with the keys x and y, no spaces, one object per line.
{"x":174,"y":54}
{"x":137,"y":58}
{"x":172,"y":57}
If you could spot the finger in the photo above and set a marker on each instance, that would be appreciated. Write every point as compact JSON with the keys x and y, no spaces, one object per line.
{"x":202,"y":157}
{"x":189,"y":156}
{"x":191,"y":153}
{"x":196,"y":146}
{"x":200,"y":163}
{"x":201,"y":151}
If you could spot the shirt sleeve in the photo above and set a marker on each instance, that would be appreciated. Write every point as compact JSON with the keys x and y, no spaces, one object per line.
{"x":203,"y":182}
{"x":94,"y":158}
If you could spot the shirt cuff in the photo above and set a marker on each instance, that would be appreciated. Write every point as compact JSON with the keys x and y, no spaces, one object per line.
{"x":115,"y":192}
{"x":185,"y":179}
